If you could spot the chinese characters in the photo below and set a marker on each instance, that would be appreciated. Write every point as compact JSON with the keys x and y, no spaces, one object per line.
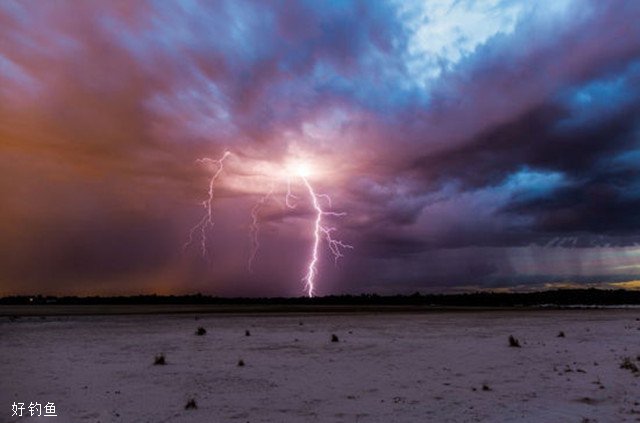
{"x":34,"y":409}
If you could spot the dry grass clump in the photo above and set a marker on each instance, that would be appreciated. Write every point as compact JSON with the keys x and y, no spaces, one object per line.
{"x":159,"y":360}
{"x":513,"y":342}
{"x":628,"y":364}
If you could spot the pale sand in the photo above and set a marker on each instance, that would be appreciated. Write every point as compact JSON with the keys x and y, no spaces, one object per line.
{"x":386,"y":368}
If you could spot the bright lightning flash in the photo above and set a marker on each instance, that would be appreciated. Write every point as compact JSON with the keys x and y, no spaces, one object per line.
{"x":301,"y":169}
{"x":293,"y":170}
{"x":335,"y":246}
{"x":304,"y":171}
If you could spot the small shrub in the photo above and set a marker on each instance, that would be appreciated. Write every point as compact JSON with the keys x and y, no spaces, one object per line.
{"x":485,"y":387}
{"x":513,"y":342}
{"x":241,"y":363}
{"x":191,"y":405}
{"x":334,"y":338}
{"x":247,"y":333}
{"x":629,"y":365}
{"x":561,"y":334}
{"x":159,"y":360}
{"x":201,"y":331}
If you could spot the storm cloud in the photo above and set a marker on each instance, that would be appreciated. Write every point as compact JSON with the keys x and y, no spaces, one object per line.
{"x":471,"y":144}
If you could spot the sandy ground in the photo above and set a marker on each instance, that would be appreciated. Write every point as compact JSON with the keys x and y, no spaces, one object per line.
{"x":428,"y":367}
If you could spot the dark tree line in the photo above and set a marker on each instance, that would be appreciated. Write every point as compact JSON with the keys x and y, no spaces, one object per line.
{"x":561,"y":297}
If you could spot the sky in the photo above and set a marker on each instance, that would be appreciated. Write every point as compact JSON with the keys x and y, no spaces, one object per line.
{"x":466,"y":145}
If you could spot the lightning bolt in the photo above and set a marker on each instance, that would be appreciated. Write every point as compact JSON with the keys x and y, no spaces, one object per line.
{"x":320,"y":230}
{"x":255,"y":227}
{"x":289,"y":196}
{"x":207,"y":218}
{"x":335,"y":246}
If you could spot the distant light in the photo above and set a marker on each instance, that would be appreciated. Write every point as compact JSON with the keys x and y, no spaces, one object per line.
{"x":303,"y":169}
{"x":300,"y":169}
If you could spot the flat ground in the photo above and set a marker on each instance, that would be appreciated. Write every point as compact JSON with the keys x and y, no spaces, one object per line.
{"x":427,"y":367}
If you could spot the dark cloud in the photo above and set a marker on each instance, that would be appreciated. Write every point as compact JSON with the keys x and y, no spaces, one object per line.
{"x":455,"y":154}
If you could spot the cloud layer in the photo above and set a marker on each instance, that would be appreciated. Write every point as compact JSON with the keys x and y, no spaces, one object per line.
{"x":472,"y":145}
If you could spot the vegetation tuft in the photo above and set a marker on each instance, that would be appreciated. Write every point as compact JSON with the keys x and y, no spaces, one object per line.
{"x":628,"y":364}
